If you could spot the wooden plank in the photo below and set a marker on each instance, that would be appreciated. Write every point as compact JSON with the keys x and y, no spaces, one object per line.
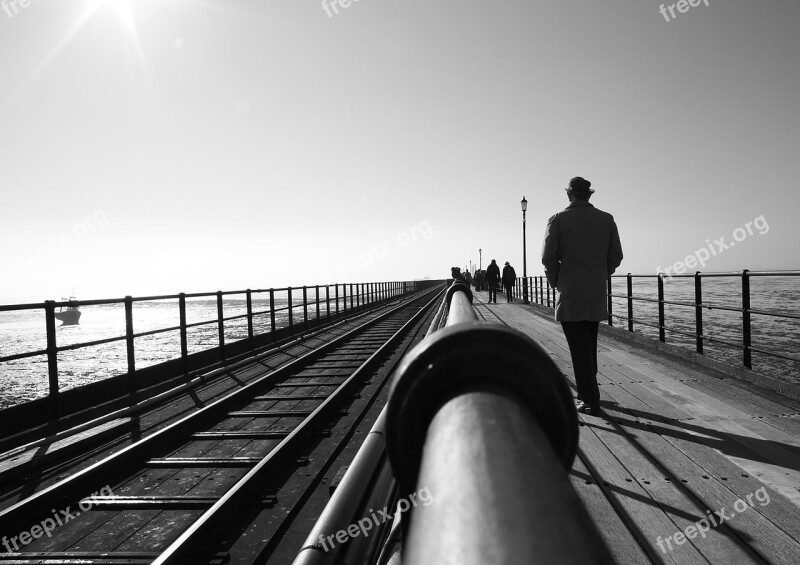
{"x":620,"y":541}
{"x":787,"y":424}
{"x":677,"y":502}
{"x":736,"y":392}
{"x":216,"y":483}
{"x":114,"y":532}
{"x":158,"y":533}
{"x":16,"y":460}
{"x":643,"y":516}
{"x":70,"y":533}
{"x":781,"y":511}
{"x":768,"y":529}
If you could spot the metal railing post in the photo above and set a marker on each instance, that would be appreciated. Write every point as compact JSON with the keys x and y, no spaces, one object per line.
{"x":661,"y":330}
{"x":336,"y":289}
{"x":184,"y":337}
{"x":249,"y":296}
{"x":129,"y":344}
{"x":291,"y":318}
{"x":272,"y":313}
{"x":525,"y":299}
{"x":221,"y":325}
{"x":698,"y":311}
{"x":630,"y":302}
{"x":52,"y":358}
{"x":328,"y":301}
{"x":316,"y":300}
{"x":746,"y":353}
{"x":305,"y":309}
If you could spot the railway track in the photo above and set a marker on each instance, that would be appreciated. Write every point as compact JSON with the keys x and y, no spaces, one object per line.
{"x":191,"y":491}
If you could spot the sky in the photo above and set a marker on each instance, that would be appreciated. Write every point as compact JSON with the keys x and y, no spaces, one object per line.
{"x":164,"y":146}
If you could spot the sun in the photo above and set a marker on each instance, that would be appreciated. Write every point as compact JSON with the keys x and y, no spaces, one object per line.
{"x":124,"y":10}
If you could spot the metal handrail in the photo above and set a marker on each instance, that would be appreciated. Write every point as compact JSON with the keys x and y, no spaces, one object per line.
{"x":478,"y":413}
{"x":364,"y":294}
{"x":700,"y":335}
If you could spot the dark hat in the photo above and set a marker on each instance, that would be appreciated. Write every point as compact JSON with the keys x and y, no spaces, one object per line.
{"x":579,"y":186}
{"x":506,"y":262}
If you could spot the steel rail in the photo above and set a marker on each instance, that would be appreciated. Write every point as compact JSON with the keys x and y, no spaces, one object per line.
{"x":186,"y":547}
{"x":350,"y":502}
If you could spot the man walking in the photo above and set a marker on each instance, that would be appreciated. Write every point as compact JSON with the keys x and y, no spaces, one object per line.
{"x":509,"y":278}
{"x":581,"y":250}
{"x":492,"y":279}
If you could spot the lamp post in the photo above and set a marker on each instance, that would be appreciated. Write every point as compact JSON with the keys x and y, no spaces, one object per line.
{"x":524,"y":204}
{"x":480,"y":261}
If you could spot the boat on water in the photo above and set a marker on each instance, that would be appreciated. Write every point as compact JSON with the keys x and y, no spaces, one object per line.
{"x":69,"y":315}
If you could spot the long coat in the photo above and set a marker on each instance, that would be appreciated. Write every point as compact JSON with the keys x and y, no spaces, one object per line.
{"x":493,"y":275}
{"x":581,"y":250}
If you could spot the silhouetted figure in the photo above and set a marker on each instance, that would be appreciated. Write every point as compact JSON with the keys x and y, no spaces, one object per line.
{"x":455,"y":272}
{"x":478,"y":279}
{"x":468,"y":278}
{"x":509,"y":279}
{"x":492,"y":280}
{"x":581,"y":250}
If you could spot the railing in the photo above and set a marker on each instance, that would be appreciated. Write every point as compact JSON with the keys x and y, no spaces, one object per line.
{"x":539,"y":290}
{"x":334,"y":304}
{"x":699,"y":304}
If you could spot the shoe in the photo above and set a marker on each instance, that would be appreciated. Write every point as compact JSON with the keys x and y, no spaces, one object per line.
{"x":584,"y":408}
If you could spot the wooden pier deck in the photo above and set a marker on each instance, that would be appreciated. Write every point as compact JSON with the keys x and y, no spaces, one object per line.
{"x":678,"y":449}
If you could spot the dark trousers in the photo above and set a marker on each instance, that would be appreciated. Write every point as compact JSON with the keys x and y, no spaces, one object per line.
{"x":493,"y":292}
{"x":509,"y":295}
{"x":582,"y":340}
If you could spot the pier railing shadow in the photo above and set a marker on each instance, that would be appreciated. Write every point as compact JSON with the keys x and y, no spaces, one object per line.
{"x":726,"y":443}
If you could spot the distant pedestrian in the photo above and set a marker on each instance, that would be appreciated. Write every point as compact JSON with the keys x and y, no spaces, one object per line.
{"x":455,"y":272}
{"x":492,"y":280}
{"x":478,"y":279}
{"x":581,"y":250}
{"x":509,"y":279}
{"x":468,"y":278}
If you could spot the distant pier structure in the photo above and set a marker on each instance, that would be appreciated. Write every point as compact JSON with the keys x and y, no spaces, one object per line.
{"x":411,"y":422}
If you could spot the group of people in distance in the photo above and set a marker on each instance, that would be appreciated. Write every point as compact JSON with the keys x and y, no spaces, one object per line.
{"x":581,"y":250}
{"x":490,"y":279}
{"x":494,"y":278}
